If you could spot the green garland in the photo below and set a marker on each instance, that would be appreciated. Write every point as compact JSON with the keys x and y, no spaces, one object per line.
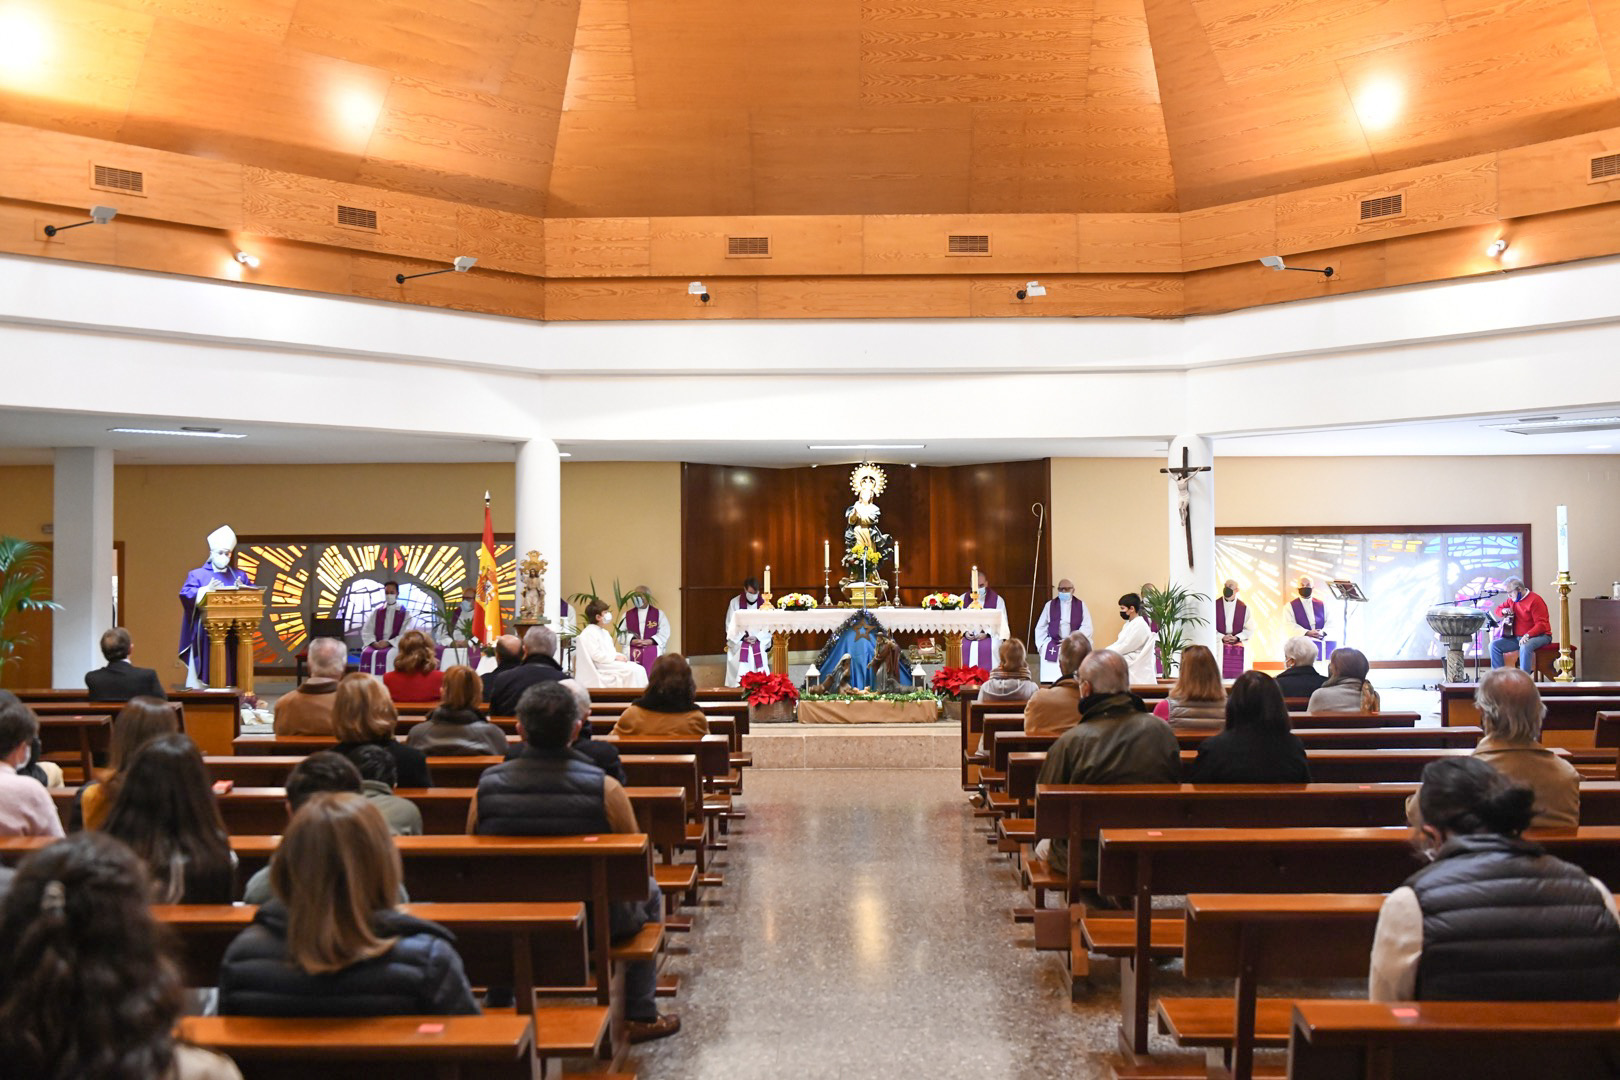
{"x":915,"y":695}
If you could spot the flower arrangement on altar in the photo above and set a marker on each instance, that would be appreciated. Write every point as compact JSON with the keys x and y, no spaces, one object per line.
{"x":797,"y":601}
{"x":942,"y":601}
{"x":862,"y":554}
{"x":861,"y":695}
{"x":952,"y":681}
{"x":763,"y":688}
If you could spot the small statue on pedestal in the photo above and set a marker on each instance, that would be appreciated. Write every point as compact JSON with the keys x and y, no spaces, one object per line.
{"x":531,"y":591}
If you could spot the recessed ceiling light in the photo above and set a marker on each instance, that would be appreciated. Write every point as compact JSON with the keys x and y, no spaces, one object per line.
{"x":564,"y":453}
{"x":1379,"y":102}
{"x":26,"y":46}
{"x":192,"y":433}
{"x":867,"y":446}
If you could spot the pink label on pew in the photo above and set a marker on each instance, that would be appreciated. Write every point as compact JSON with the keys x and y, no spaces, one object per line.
{"x":1155,"y":832}
{"x":1404,"y":1014}
{"x":430,"y":1029}
{"x":591,"y":839}
{"x":1365,"y":787}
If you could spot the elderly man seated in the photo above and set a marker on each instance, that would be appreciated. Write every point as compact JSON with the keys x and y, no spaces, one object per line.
{"x":539,"y":665}
{"x":1057,"y":708}
{"x":308,"y":709}
{"x":1300,"y":679}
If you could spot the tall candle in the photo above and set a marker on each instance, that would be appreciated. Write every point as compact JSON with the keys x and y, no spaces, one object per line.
{"x":973,"y":580}
{"x":897,"y":556}
{"x":767,"y":579}
{"x":826,"y":555}
{"x":1563,"y":539}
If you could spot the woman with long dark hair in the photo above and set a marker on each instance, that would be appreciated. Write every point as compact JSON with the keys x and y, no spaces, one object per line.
{"x":1347,"y":688}
{"x":165,"y":812}
{"x":137,"y":723}
{"x":1258,"y":746}
{"x":669,"y":705}
{"x":88,"y":990}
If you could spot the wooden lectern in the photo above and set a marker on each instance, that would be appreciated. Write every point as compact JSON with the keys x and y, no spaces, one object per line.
{"x":225,"y":610}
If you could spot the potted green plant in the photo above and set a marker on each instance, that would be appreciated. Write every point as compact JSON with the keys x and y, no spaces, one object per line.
{"x":22,"y":577}
{"x":1172,"y":610}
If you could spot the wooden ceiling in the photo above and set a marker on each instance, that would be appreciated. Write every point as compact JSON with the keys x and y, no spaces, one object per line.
{"x":607,"y":108}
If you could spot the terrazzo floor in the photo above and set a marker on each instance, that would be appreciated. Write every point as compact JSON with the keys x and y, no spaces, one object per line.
{"x":864,"y":929}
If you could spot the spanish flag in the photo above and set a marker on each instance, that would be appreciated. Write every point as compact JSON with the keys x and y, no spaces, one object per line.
{"x":487,"y":593}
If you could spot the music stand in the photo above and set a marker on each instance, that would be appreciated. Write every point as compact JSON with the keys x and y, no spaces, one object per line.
{"x":1348,"y":592}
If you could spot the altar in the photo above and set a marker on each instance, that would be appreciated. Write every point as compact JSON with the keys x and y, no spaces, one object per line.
{"x":951,"y":622}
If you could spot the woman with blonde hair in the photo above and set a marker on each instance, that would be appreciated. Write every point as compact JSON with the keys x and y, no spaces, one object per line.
{"x":458,"y":726}
{"x":363,"y":715}
{"x":1011,"y":680}
{"x":332,"y":942}
{"x":1197,"y":701}
{"x":416,"y":676}
{"x":137,"y":723}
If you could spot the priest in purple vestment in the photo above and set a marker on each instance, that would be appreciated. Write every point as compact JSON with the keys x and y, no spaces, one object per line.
{"x":646,"y":628}
{"x":982,"y":648}
{"x":1232,"y":624}
{"x":216,"y":573}
{"x":745,"y":653}
{"x":1065,"y":615}
{"x":1310,"y":615}
{"x":386,"y":624}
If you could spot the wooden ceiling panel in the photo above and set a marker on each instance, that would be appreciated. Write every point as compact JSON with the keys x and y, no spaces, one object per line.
{"x":486,"y":291}
{"x":602,"y":68}
{"x":1555,"y":175}
{"x":696,"y":246}
{"x":1523,"y":75}
{"x":657,"y":298}
{"x":304,"y":208}
{"x":264,"y":18}
{"x":466,"y":41}
{"x":1606,"y":18}
{"x":1139,"y":295}
{"x":1235,"y":232}
{"x":862,"y":160}
{"x":1262,"y":38}
{"x":1454,"y":193}
{"x":538,"y":73}
{"x":502,"y":241}
{"x":598,"y":247}
{"x":1019,"y":244}
{"x":82,"y":75}
{"x":218,"y":94}
{"x":645,"y":162}
{"x":1029,"y":160}
{"x":1128,"y":243}
{"x":865,"y":298}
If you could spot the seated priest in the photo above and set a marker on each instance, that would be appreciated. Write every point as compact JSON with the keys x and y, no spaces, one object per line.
{"x":745,"y":653}
{"x":120,"y":680}
{"x":1065,"y":615}
{"x":646,"y":629}
{"x":596,"y":661}
{"x":382,"y":630}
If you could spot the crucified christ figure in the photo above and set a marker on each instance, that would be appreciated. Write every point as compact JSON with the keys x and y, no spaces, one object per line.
{"x":1182,"y":475}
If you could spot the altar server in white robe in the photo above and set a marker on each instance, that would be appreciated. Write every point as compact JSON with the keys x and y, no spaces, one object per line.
{"x":1060,"y":618}
{"x":386,"y":624}
{"x":453,"y":643}
{"x":1136,"y":641}
{"x":596,"y":661}
{"x":982,"y":649}
{"x":745,"y":653}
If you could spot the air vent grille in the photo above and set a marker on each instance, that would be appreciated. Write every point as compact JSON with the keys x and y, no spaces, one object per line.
{"x":1384,"y":206}
{"x":748,"y":247}
{"x":968,"y":244}
{"x":1606,"y":167}
{"x":108,"y":178}
{"x":356,"y":218}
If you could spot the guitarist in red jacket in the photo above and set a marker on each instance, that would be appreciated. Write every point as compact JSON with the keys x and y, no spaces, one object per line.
{"x":1526,"y":626}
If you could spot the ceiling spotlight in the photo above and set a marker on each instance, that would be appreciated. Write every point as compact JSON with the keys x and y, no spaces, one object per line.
{"x":1275,"y":262}
{"x":1034,"y":288}
{"x":696,"y":289}
{"x":460,"y":265}
{"x":99,"y":215}
{"x":194,"y":433}
{"x":1498,"y":246}
{"x":249,"y":261}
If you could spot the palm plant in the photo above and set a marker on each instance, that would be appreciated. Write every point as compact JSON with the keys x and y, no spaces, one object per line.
{"x":22,"y":574}
{"x":1172,"y":610}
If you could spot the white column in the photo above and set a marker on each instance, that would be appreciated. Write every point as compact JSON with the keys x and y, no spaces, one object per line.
{"x":539,"y":513}
{"x":1199,"y":575}
{"x":82,"y":563}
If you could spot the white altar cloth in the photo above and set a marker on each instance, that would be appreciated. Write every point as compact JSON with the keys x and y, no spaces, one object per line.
{"x":908,"y":620}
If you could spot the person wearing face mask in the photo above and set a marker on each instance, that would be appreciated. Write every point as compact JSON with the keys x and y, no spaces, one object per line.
{"x":1310,"y":617}
{"x":216,"y":573}
{"x":981,"y":649}
{"x":387,"y":623}
{"x":646,"y":628}
{"x":1493,"y":917}
{"x":597,"y":662}
{"x":1065,"y":615}
{"x":745,"y":653}
{"x":1232,"y":623}
{"x":1528,"y":630}
{"x":1135,"y":642}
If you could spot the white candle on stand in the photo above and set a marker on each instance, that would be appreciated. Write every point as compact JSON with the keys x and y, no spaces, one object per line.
{"x":767,"y":579}
{"x":826,"y":555}
{"x":897,"y":556}
{"x":1563,"y":539}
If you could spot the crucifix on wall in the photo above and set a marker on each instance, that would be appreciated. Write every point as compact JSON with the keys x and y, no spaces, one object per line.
{"x":1183,"y":475}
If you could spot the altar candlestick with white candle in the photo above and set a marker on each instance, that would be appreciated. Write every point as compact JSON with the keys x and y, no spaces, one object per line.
{"x":826,"y":555}
{"x":897,"y":556}
{"x":1563,"y":539}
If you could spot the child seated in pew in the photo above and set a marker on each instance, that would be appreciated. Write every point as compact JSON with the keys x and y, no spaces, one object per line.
{"x":1493,"y":918}
{"x":166,"y":813}
{"x":88,"y":989}
{"x":377,"y":777}
{"x":331,"y":941}
{"x":457,"y":727}
{"x":137,"y":723}
{"x":1258,"y":746}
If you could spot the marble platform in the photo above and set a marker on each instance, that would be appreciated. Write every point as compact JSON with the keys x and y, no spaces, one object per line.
{"x":858,"y":746}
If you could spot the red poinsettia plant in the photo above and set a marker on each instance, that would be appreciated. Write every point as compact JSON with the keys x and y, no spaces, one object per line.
{"x":952,"y":681}
{"x":765,"y":689}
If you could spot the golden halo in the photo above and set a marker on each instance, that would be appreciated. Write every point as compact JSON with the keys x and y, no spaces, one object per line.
{"x":863,"y":471}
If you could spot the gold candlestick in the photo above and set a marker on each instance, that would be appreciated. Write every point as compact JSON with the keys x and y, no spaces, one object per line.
{"x":1565,"y":664}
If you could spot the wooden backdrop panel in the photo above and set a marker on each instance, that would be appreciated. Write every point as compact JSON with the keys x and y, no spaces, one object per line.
{"x":735,"y":520}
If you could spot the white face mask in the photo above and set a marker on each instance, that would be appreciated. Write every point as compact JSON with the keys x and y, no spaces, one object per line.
{"x":639,"y":600}
{"x":751,"y":594}
{"x":219,"y":559}
{"x":1065,"y":592}
{"x":393,"y":601}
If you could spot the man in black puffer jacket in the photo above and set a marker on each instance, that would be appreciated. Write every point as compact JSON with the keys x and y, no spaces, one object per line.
{"x":551,"y":789}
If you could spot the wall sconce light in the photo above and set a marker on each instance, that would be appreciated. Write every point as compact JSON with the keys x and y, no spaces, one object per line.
{"x":1498,"y":246}
{"x":99,"y":215}
{"x":696,"y":289}
{"x":461,"y":265}
{"x":1276,"y":263}
{"x":1033,"y":288}
{"x":249,"y":261}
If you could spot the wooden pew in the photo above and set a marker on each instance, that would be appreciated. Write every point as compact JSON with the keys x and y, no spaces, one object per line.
{"x":972,"y":733}
{"x":1318,"y":721}
{"x":258,"y":772}
{"x":1144,"y":863}
{"x":1342,"y":1039}
{"x":370,"y":1048}
{"x":82,"y":736}
{"x":211,"y":717}
{"x":1254,"y":938}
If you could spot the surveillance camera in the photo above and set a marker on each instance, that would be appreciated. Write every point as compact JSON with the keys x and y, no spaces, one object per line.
{"x":464,"y":263}
{"x":1035,"y":288}
{"x":1273,"y":261}
{"x":695,"y":289}
{"x":249,"y":261}
{"x":103,"y":214}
